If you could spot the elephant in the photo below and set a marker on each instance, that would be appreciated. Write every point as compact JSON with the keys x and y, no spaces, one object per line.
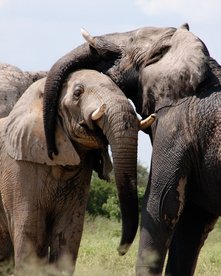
{"x":42,"y":199}
{"x":13,"y":83}
{"x":168,"y":72}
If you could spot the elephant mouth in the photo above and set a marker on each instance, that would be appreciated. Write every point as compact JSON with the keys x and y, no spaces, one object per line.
{"x":93,"y":139}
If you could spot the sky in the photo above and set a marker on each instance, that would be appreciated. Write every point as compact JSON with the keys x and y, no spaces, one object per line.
{"x":35,"y":34}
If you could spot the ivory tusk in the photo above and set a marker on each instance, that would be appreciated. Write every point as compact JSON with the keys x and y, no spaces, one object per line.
{"x":148,"y":121}
{"x":98,"y":113}
{"x":87,"y":36}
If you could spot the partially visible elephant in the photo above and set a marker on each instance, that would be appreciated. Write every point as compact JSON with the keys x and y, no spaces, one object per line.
{"x":13,"y":83}
{"x":42,"y":199}
{"x":167,"y":71}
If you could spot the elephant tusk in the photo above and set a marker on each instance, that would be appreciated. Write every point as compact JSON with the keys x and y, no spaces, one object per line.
{"x":148,"y":121}
{"x":87,"y":37}
{"x":98,"y":113}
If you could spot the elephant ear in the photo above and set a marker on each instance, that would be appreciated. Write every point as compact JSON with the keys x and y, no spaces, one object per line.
{"x":24,"y":132}
{"x":173,"y":69}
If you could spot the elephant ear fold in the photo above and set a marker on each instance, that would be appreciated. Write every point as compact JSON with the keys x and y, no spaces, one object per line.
{"x":24,"y":132}
{"x":180,"y":69}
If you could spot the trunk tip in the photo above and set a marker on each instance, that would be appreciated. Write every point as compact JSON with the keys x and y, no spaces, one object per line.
{"x":123,"y":248}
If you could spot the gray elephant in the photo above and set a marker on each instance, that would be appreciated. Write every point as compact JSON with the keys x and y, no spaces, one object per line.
{"x":42,"y":199}
{"x":13,"y":83}
{"x":167,"y":71}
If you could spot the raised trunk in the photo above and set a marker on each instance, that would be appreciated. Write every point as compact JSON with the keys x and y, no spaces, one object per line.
{"x":123,"y":141}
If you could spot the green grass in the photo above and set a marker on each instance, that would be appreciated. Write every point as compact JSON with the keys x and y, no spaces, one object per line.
{"x":98,"y":254}
{"x":209,"y":263}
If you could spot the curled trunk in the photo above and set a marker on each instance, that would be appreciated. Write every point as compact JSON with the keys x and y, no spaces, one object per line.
{"x":53,"y":85}
{"x":82,"y":57}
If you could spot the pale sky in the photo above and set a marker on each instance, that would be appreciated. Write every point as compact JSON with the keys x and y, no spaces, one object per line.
{"x":34,"y":34}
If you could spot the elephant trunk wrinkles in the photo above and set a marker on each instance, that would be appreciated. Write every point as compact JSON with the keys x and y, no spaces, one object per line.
{"x":79,"y":58}
{"x":123,"y":141}
{"x":83,"y":56}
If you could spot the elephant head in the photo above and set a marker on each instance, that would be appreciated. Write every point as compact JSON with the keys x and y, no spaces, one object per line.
{"x":102,"y":53}
{"x":92,"y":112}
{"x":168,"y":69}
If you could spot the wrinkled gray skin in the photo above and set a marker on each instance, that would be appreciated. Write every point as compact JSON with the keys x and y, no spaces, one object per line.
{"x":13,"y":83}
{"x":168,"y":71}
{"x":43,"y":201}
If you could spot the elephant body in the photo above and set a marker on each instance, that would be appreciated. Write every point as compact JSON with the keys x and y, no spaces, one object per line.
{"x":169,"y":72}
{"x":13,"y":83}
{"x":182,"y":201}
{"x":43,"y":199}
{"x":43,"y":206}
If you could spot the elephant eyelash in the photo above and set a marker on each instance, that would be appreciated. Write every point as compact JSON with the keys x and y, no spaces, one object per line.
{"x":78,"y":90}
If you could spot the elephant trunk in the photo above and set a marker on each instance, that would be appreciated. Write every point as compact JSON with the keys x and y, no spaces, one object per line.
{"x":125,"y":175}
{"x":82,"y":57}
{"x":123,"y":141}
{"x":56,"y":76}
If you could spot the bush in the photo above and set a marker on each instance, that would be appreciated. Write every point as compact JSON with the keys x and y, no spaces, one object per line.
{"x":100,"y":191}
{"x":103,"y":198}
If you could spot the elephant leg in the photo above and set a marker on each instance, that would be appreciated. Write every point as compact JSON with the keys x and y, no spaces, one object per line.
{"x":164,"y":200}
{"x":6,"y":247}
{"x":26,"y":214}
{"x":190,"y":234}
{"x":67,"y":229}
{"x":29,"y":238}
{"x":160,"y":213}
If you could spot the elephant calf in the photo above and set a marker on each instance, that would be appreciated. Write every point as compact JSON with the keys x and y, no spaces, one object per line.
{"x":42,"y":199}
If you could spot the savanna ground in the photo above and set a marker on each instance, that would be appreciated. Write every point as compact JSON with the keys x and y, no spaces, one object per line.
{"x":98,"y":255}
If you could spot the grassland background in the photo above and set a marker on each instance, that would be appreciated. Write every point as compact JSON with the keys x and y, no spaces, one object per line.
{"x":98,"y":255}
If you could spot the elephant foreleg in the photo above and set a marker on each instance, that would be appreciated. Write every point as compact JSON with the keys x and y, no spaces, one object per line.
{"x":6,"y":247}
{"x":160,"y":214}
{"x":68,"y":227}
{"x":190,"y":234}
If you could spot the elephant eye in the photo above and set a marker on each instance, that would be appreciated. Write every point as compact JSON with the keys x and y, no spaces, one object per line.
{"x":78,"y":90}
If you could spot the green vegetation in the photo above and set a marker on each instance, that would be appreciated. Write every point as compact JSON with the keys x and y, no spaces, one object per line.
{"x":98,"y":254}
{"x":103,"y":199}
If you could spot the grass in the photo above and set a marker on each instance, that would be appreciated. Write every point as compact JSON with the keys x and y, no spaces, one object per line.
{"x":98,"y":254}
{"x":209,"y":263}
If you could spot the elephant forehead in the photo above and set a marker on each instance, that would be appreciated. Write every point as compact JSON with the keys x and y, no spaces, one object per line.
{"x":88,"y":75}
{"x":91,"y":79}
{"x":148,"y":35}
{"x":150,"y":32}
